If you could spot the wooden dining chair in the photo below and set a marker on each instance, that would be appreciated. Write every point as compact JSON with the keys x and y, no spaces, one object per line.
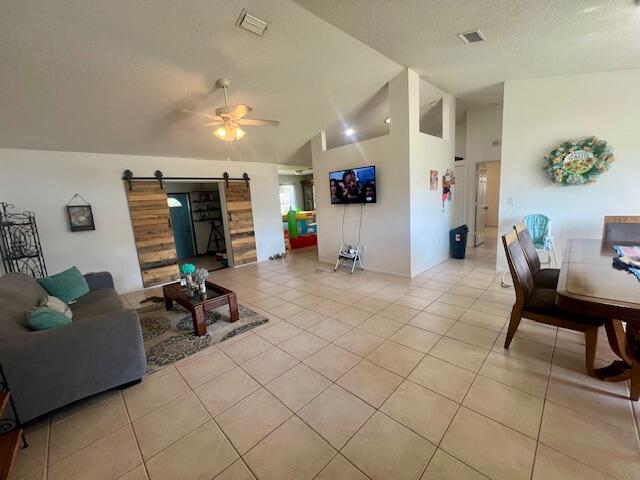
{"x":539,"y":304}
{"x":620,"y":230}
{"x":542,"y":277}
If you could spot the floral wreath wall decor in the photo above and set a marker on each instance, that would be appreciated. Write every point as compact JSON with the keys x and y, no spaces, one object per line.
{"x":579,"y":162}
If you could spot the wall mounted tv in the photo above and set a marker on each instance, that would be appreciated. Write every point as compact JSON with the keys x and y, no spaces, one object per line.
{"x":355,"y":185}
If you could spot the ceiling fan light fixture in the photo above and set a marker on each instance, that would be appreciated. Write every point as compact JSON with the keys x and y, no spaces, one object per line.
{"x":229,"y":133}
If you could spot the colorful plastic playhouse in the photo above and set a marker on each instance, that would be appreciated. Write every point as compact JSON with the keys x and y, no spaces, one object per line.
{"x":302,"y":228}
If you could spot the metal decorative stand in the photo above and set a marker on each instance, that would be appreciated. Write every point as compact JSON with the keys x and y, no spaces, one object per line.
{"x":20,"y":242}
{"x":9,"y":424}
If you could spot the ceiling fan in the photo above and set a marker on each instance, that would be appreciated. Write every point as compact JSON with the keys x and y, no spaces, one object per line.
{"x":229,"y":118}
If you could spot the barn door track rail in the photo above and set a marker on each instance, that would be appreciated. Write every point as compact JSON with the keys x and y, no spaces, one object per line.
{"x":128,"y":177}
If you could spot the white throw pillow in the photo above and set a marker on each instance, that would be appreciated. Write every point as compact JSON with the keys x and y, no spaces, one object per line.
{"x":58,"y":305}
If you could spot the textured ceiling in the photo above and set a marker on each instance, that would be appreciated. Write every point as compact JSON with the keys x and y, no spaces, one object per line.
{"x":525,"y":38}
{"x":97,"y":76}
{"x":111,"y":76}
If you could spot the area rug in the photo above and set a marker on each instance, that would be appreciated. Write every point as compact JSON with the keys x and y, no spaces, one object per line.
{"x":168,"y":335}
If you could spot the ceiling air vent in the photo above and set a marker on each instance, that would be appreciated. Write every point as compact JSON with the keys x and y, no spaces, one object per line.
{"x":474,"y":36}
{"x":251,"y":23}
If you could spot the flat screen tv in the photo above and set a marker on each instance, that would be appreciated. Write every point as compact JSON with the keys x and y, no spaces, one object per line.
{"x":355,"y":185}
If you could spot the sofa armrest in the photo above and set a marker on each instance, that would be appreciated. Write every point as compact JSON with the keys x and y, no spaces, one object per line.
{"x":98,"y":280}
{"x":51,"y":368}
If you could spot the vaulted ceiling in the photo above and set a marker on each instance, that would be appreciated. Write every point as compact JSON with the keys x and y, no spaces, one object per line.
{"x":525,"y":38}
{"x":111,"y":76}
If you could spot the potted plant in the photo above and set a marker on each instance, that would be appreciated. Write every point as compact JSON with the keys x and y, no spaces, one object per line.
{"x":187,"y":270}
{"x":199,"y":277}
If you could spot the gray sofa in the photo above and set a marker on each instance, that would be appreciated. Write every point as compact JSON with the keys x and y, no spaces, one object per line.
{"x":101,"y":349}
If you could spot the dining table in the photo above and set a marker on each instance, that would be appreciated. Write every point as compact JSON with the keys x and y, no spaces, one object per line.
{"x":589,"y":283}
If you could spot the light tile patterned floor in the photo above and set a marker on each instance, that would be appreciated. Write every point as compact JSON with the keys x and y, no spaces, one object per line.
{"x":357,"y":376}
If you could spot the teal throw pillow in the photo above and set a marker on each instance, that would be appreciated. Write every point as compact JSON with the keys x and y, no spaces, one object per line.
{"x":43,"y":318}
{"x":68,"y":286}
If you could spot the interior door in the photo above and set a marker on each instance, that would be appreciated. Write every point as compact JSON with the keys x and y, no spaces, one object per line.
{"x":181,"y":224}
{"x":241,"y":230}
{"x":149,"y":212}
{"x":481,"y":203}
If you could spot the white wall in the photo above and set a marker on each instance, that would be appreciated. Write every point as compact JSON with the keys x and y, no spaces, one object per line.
{"x":540,"y":114}
{"x":44,"y":181}
{"x":385,"y":225}
{"x":406,"y":231}
{"x":484,"y":127}
{"x":461,"y":140}
{"x":430,"y":223}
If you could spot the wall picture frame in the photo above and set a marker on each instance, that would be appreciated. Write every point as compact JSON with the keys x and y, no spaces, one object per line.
{"x":80,"y":218}
{"x":433,"y":180}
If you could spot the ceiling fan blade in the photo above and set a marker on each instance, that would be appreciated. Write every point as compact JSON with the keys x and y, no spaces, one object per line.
{"x":258,"y":122}
{"x":235,"y":111}
{"x":240,"y":111}
{"x":207,"y":125}
{"x":206,"y":115}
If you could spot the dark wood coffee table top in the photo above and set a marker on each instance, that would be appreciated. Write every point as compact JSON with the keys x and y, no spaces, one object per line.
{"x":178,"y":293}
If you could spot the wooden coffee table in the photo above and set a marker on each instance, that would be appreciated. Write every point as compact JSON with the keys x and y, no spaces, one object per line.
{"x":216,"y":297}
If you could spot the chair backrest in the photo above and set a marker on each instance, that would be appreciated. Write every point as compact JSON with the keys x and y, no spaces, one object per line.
{"x":520,"y":272}
{"x":539,"y":227}
{"x":620,"y":230}
{"x":529,"y":248}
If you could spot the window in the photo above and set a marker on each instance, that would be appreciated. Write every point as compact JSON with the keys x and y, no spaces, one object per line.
{"x":173,"y":202}
{"x":287,"y":198}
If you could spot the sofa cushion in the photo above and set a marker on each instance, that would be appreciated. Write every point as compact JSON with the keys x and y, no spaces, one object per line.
{"x":68,"y":286}
{"x":98,"y":302}
{"x":44,"y":318}
{"x":18,"y":293}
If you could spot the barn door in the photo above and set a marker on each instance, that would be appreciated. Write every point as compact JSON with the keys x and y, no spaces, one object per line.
{"x":152,"y":231}
{"x":243,"y":240}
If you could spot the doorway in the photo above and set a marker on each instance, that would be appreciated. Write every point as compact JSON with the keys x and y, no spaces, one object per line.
{"x":197,"y":222}
{"x":487,"y":201}
{"x":181,"y":224}
{"x":221,"y":224}
{"x":298,"y":208}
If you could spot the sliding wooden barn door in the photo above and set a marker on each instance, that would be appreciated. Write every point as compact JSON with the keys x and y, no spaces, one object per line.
{"x":243,"y":240}
{"x":152,"y":231}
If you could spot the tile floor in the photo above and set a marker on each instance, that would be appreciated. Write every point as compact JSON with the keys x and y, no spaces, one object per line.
{"x":357,"y":376}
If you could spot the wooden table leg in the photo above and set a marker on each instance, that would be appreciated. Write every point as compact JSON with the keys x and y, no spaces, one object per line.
{"x":618,"y":370}
{"x":199,"y":322}
{"x":233,"y":308}
{"x":168,"y":303}
{"x":616,"y":336}
{"x":633,"y":351}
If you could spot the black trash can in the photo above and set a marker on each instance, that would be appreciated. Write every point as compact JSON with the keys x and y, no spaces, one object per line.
{"x":458,"y":241}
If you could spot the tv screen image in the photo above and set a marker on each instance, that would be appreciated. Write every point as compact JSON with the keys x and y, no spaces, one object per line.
{"x":355,"y":185}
